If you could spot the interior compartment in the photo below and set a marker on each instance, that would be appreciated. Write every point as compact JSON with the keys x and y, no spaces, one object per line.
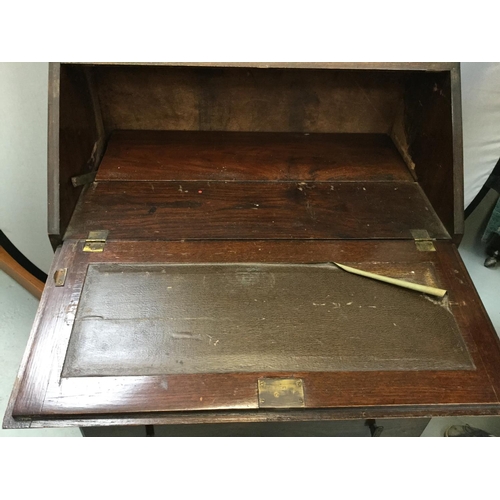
{"x":240,"y":126}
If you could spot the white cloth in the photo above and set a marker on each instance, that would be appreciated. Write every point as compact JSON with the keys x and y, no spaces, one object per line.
{"x":481,"y":123}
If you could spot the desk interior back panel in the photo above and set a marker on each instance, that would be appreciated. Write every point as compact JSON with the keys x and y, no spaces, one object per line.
{"x":247,"y":99}
{"x":221,"y":318}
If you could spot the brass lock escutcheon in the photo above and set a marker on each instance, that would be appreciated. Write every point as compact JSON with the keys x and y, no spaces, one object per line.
{"x":281,"y":393}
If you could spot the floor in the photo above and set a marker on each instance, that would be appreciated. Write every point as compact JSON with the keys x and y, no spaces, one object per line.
{"x":18,"y":308}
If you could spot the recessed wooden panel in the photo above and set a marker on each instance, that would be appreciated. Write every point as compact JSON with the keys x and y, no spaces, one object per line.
{"x":170,"y":156}
{"x":218,"y":318}
{"x":250,"y":210}
{"x":248,"y":99}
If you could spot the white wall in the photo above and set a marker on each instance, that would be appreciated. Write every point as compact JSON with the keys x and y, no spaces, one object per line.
{"x":23,"y":147}
{"x":23,"y":159}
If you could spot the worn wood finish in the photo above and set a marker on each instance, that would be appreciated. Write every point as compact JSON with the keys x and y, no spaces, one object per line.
{"x":458,"y":155}
{"x":433,"y":140}
{"x":257,"y":317}
{"x":53,"y":201}
{"x":486,"y":338}
{"x":43,"y":393}
{"x":44,"y":335}
{"x":181,"y":156}
{"x":239,"y":210}
{"x":387,"y":94}
{"x":399,"y":66}
{"x":247,"y":99}
{"x":73,"y":139}
{"x":227,"y":416}
{"x":222,"y":98}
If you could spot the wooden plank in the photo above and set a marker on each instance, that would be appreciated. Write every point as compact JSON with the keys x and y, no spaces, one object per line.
{"x":261,"y":415}
{"x":474,"y":314}
{"x":181,"y":156}
{"x":53,"y":202}
{"x":73,"y":140}
{"x":415,"y":66}
{"x":45,"y":335}
{"x":112,"y":395}
{"x":458,"y":155}
{"x":252,"y":210}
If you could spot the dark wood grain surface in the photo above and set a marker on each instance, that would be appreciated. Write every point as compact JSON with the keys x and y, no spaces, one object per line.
{"x":42,"y":393}
{"x":73,"y":134}
{"x":458,"y":155}
{"x":239,"y":210}
{"x":195,"y":156}
{"x":44,"y":337}
{"x":247,"y":99}
{"x":261,"y":415}
{"x":430,"y":132}
{"x":415,"y":66}
{"x":351,"y":97}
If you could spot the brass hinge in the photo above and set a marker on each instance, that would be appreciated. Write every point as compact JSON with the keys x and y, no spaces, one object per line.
{"x":423,"y":241}
{"x":95,"y":241}
{"x":60,"y":276}
{"x":281,"y":393}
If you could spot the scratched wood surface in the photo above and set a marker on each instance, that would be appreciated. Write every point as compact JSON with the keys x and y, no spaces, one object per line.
{"x":73,"y":134}
{"x":256,"y":318}
{"x":239,"y":210}
{"x":276,"y":97}
{"x":181,"y":156}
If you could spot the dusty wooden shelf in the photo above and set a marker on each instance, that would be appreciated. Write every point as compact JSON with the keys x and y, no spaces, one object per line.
{"x":240,"y":210}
